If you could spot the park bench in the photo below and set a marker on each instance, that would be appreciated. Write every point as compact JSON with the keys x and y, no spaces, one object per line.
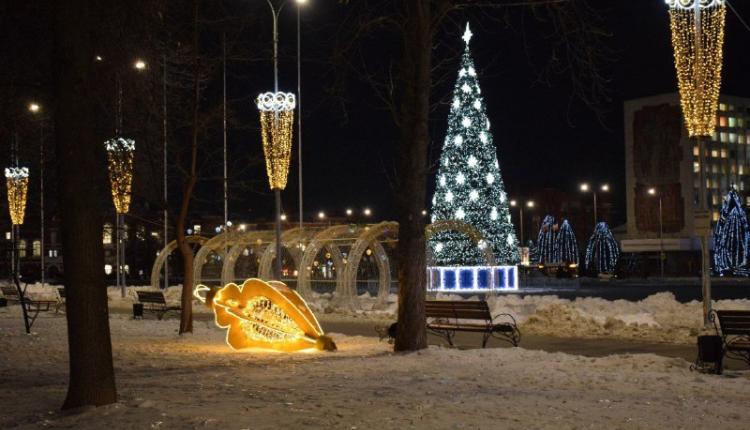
{"x":154,"y":301}
{"x":33,"y":307}
{"x":445,"y":318}
{"x":10,"y":294}
{"x":734,"y":329}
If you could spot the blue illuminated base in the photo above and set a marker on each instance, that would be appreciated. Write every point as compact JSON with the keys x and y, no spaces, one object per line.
{"x":472,"y":279}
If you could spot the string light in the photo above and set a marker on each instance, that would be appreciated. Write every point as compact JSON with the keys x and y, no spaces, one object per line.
{"x":602,"y":251}
{"x":17,"y":181}
{"x":698,"y":60}
{"x":546,"y":240}
{"x":276,"y":121}
{"x":266,"y":315}
{"x":731,"y":237}
{"x":120,"y":154}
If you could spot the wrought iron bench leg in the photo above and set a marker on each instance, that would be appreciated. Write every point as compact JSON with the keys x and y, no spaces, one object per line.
{"x":485,"y":338}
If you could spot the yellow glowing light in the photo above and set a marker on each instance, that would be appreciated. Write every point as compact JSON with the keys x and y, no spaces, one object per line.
{"x":120,"y":154}
{"x":34,"y":107}
{"x":139,"y":65}
{"x":698,"y":61}
{"x":276,"y":126}
{"x":17,"y":181}
{"x":265,"y":315}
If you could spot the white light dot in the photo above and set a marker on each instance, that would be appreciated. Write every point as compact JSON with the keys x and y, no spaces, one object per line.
{"x":456,"y":102}
{"x":502,"y":197}
{"x":466,"y":122}
{"x":434,"y":200}
{"x":442,"y":180}
{"x":488,"y":124}
{"x":472,"y":161}
{"x":438,"y":247}
{"x":460,"y":214}
{"x":474,"y":195}
{"x":462,"y":73}
{"x":482,"y":244}
{"x":449,"y":196}
{"x":458,"y":140}
{"x":472,"y":72}
{"x":493,"y":214}
{"x":479,"y":90}
{"x":483,"y":137}
{"x":497,"y":165}
{"x":460,"y":178}
{"x":477,"y":105}
{"x":490,"y":178}
{"x":511,"y":240}
{"x":508,"y":218}
{"x":465,"y":88}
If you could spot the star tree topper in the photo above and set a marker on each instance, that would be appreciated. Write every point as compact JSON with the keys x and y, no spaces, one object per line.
{"x":467,"y":34}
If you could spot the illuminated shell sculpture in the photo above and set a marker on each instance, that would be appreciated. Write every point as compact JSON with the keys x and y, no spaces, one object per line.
{"x":265,"y":315}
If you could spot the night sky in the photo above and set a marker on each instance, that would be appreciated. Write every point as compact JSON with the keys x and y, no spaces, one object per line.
{"x":545,"y":138}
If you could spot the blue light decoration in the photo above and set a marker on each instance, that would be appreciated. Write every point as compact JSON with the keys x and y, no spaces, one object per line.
{"x":472,"y":279}
{"x":545,"y":243}
{"x":566,"y":246}
{"x":602,"y":251}
{"x":731,"y":238}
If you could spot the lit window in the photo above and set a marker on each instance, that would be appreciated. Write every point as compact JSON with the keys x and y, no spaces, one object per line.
{"x":696,"y":167}
{"x":722,"y":121}
{"x":36,"y":248}
{"x":722,"y":107}
{"x":108,"y":269}
{"x":714,"y":153}
{"x":7,"y":235}
{"x":715,"y":199}
{"x":715,"y":168}
{"x":22,"y":248}
{"x":716,"y":216}
{"x":732,"y":137}
{"x":197,"y":229}
{"x":741,"y":122}
{"x":724,"y":137}
{"x":741,"y":169}
{"x":107,"y":236}
{"x":732,"y":121}
{"x":723,"y":153}
{"x":696,"y":151}
{"x":741,"y":138}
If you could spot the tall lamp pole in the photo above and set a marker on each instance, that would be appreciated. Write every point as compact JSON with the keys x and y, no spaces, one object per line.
{"x":654,"y":192}
{"x":586,"y":188}
{"x":277,"y":117}
{"x":529,"y":204}
{"x":36,"y":109}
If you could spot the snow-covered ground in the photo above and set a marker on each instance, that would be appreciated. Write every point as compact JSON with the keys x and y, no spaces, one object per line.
{"x":658,"y":318}
{"x":170,"y":382}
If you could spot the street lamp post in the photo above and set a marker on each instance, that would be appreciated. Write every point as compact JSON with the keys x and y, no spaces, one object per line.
{"x":653,"y":192}
{"x":530,"y":205}
{"x":586,"y":188}
{"x":277,"y":117}
{"x":36,"y":109}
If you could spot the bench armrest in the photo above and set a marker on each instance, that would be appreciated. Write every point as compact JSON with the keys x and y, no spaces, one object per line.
{"x":507,"y":316}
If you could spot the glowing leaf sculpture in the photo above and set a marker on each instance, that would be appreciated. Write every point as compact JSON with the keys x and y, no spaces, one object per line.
{"x":265,"y":315}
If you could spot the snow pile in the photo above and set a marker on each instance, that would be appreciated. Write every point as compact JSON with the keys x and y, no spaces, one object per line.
{"x":166,"y":381}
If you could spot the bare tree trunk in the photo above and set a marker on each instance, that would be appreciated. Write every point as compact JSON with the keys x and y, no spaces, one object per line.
{"x":415,"y":83}
{"x":92,"y":378}
{"x":186,"y":316}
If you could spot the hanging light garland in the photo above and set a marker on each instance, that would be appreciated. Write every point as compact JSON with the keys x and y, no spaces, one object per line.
{"x":602,"y":251}
{"x":276,"y":121}
{"x":698,"y":40}
{"x":120,"y":154}
{"x":17,"y":181}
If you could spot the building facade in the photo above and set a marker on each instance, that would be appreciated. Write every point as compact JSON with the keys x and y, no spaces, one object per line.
{"x":659,"y":155}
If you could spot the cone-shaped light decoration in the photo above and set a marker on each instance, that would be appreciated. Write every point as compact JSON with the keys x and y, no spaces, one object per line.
{"x":698,"y":42}
{"x":276,"y":121}
{"x":17,"y":180}
{"x":120,"y":152}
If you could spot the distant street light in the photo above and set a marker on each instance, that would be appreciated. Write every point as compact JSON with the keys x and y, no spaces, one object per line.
{"x":321,"y":215}
{"x":367,"y":212}
{"x":34,"y":107}
{"x":139,"y":65}
{"x":530,"y":205}
{"x":586,"y":188}
{"x":349,"y":212}
{"x":654,"y":192}
{"x":283,"y":217}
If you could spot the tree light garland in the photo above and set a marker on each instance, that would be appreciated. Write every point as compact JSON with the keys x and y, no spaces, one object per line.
{"x":17,"y":181}
{"x":546,"y":241}
{"x":276,"y":122}
{"x":120,"y":154}
{"x":566,"y":246}
{"x":731,"y":238}
{"x":602,"y":251}
{"x":698,"y":40}
{"x":265,"y":315}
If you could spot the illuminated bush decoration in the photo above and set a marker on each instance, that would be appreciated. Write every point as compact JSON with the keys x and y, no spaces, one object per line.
{"x":602,"y":251}
{"x":470,"y":186}
{"x":731,"y":238}
{"x":120,"y":161}
{"x":566,"y":245}
{"x":698,"y":60}
{"x":17,"y":181}
{"x":276,"y":125}
{"x":265,"y":315}
{"x":546,"y":240}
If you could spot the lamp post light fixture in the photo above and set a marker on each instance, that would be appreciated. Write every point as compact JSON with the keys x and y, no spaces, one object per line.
{"x":139,"y":64}
{"x":530,"y":205}
{"x":349,"y":212}
{"x":276,"y":122}
{"x":585,"y":188}
{"x":654,"y":192}
{"x":367,"y":212}
{"x":321,"y":215}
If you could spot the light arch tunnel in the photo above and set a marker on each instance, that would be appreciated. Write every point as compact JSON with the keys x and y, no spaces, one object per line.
{"x":345,"y":245}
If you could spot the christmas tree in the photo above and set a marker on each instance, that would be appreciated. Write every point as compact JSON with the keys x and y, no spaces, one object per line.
{"x":546,"y":240}
{"x":469,"y":185}
{"x":731,"y":237}
{"x":602,"y":251}
{"x":566,"y":246}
